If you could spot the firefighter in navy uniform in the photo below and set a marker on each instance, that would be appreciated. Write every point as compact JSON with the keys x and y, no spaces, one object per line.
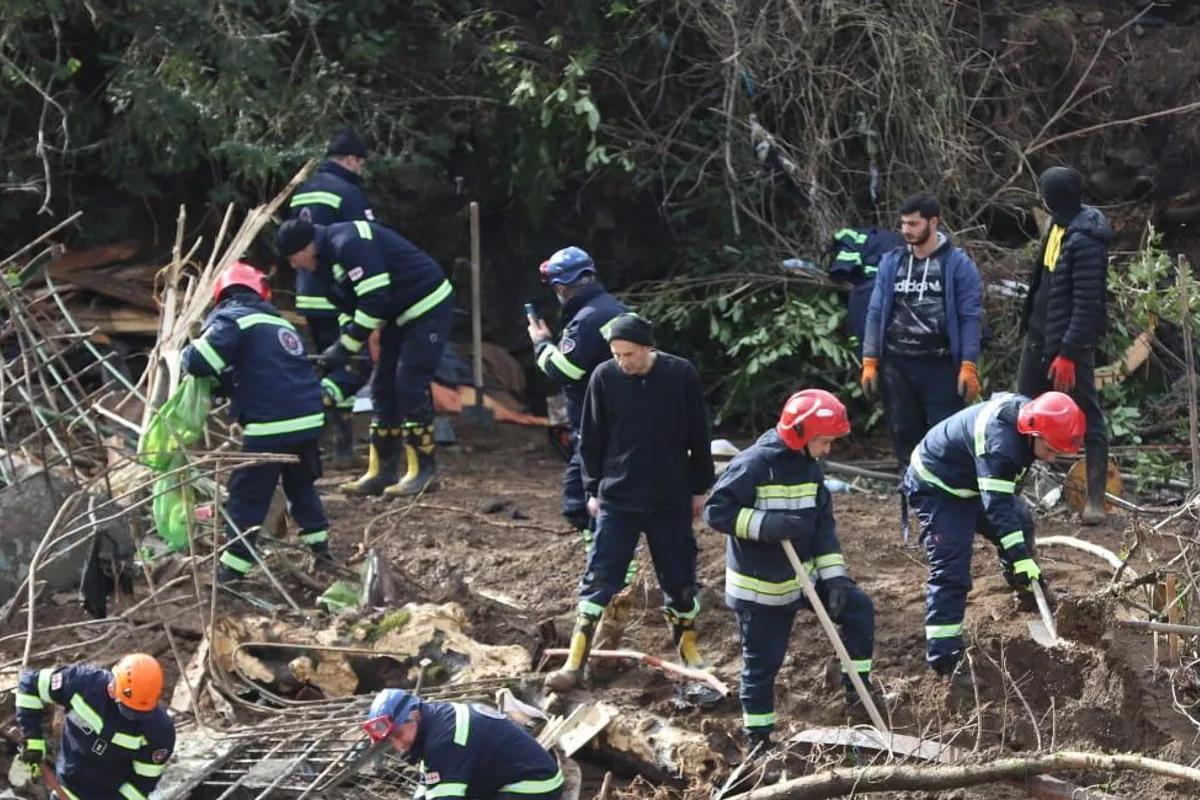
{"x":259,"y":359}
{"x":772,"y":492}
{"x":465,"y":751}
{"x":116,"y":739}
{"x":333,"y":194}
{"x":398,"y":289}
{"x":963,"y":478}
{"x":588,"y":309}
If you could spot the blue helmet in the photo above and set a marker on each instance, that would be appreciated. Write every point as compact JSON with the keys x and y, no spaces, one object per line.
{"x":566,"y":266}
{"x":389,"y":709}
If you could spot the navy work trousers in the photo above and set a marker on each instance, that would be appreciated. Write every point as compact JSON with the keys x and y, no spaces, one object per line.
{"x":672,"y":547}
{"x":948,"y":527}
{"x":250,"y":492}
{"x":765,"y":633}
{"x":408,"y":356}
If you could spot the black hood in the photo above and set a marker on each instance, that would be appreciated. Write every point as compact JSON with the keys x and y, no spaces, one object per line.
{"x":1092,"y":222}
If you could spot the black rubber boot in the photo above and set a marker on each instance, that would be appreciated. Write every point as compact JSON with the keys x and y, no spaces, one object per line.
{"x":421,"y":473}
{"x":383,"y":465}
{"x":1097,"y":482}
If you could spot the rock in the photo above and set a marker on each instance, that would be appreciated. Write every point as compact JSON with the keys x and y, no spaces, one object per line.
{"x":1093,"y":18}
{"x":27,"y":508}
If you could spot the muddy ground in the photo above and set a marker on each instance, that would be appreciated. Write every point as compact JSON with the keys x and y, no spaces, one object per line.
{"x":492,"y":539}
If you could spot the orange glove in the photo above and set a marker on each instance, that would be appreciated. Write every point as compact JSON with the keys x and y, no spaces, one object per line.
{"x":968,"y":382}
{"x":870,"y":376}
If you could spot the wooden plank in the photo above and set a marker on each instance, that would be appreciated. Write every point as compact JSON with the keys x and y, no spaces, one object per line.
{"x":117,"y":320}
{"x":91,"y":258}
{"x":109,"y":286}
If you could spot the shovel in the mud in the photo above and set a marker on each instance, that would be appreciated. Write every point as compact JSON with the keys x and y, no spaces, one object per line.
{"x":1043,"y":630}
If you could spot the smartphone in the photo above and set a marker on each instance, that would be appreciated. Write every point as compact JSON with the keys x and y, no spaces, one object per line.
{"x":531,"y":312}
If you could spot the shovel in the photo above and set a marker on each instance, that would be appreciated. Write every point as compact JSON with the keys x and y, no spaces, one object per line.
{"x":1043,"y":631}
{"x":477,"y":414}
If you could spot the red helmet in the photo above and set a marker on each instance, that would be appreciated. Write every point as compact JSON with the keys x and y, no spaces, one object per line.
{"x":239,"y":273}
{"x":811,"y":413}
{"x":1056,"y":418}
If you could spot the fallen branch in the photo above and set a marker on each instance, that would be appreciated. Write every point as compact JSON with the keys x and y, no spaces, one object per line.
{"x":842,"y":782}
{"x":651,"y":661}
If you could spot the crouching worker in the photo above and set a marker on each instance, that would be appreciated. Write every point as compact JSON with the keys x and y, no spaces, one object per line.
{"x":466,"y":751}
{"x":116,"y":739}
{"x":260,"y":362}
{"x":774,"y":491}
{"x":964,"y":477}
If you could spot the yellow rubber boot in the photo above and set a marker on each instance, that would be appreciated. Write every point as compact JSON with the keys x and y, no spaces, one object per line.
{"x":421,"y":473}
{"x":683,"y":632}
{"x":382,"y":465}
{"x":571,"y":673}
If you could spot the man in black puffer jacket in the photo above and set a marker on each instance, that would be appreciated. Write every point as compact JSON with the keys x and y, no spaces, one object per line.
{"x":1066,"y":314}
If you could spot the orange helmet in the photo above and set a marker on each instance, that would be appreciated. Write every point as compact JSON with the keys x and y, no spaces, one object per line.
{"x":137,"y":683}
{"x":811,"y":413}
{"x":239,"y":273}
{"x":1055,"y":417}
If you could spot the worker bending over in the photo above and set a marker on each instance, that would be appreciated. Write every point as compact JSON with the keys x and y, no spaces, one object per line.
{"x":467,"y":751}
{"x":965,"y":477}
{"x":772,"y":492}
{"x":258,"y":359}
{"x":116,"y":739}
{"x":390,"y":285}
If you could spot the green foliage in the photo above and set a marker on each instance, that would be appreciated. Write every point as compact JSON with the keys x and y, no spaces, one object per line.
{"x":758,"y":336}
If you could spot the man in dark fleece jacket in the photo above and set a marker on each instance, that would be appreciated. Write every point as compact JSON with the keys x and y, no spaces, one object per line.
{"x":646,"y":467}
{"x":1066,"y":314}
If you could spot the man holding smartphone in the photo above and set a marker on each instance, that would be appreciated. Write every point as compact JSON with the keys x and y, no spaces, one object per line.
{"x":588,"y":310}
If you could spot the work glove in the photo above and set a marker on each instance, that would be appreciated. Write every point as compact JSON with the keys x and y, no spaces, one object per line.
{"x":1025,"y":572}
{"x":335,"y":357}
{"x":1062,"y":374}
{"x":870,"y":376}
{"x":968,"y":382}
{"x":32,"y":756}
{"x":779,"y":525}
{"x":837,"y":593}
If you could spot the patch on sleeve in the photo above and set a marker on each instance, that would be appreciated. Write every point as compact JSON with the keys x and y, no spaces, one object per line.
{"x":369,"y":214}
{"x":566,"y":345}
{"x":56,"y":681}
{"x":430,"y":778}
{"x":356,"y":274}
{"x":160,"y":756}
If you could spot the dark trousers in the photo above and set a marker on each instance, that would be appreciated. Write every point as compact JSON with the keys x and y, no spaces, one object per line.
{"x":1032,"y":380}
{"x":408,"y":356}
{"x":344,"y":383}
{"x":672,"y":548}
{"x":250,"y":492}
{"x":917,"y":393}
{"x":765,"y":633}
{"x":574,"y":500}
{"x":948,"y":527}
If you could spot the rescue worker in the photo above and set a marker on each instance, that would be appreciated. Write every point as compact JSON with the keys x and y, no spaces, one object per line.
{"x":392,"y":286}
{"x":1065,"y":315}
{"x":588,"y":309}
{"x":333,"y":194}
{"x":774,"y":491}
{"x":921,"y":341}
{"x":259,"y":360}
{"x":116,"y":739}
{"x":964,"y":478}
{"x":646,"y":467}
{"x":466,"y":751}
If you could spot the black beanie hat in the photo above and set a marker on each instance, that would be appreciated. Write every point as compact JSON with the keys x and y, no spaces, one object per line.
{"x":632,"y":328}
{"x":1062,"y":190}
{"x":294,"y":235}
{"x":346,"y":142}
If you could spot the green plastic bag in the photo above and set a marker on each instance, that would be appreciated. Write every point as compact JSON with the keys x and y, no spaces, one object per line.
{"x":172,"y":507}
{"x":178,"y":424}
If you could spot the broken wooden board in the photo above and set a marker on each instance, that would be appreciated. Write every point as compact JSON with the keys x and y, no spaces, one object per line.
{"x":115,"y":321}
{"x":78,"y":260}
{"x":583,"y":724}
